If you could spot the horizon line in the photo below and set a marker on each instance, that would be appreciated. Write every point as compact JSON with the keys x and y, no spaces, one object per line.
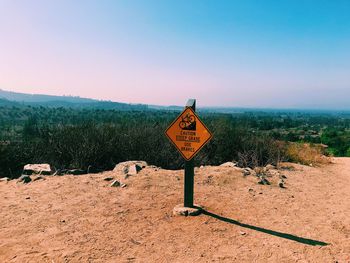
{"x":268,"y":108}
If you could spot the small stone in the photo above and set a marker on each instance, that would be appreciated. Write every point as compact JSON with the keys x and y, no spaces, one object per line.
{"x":115,"y":183}
{"x":242,"y":233}
{"x":180,"y":210}
{"x":281,"y":183}
{"x":108,"y":178}
{"x":123,"y":185}
{"x":283,"y":176}
{"x":264,"y":181}
{"x":28,"y":197}
{"x":135,"y":242}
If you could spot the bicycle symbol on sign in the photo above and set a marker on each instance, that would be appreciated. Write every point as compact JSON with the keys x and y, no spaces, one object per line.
{"x":188,"y":122}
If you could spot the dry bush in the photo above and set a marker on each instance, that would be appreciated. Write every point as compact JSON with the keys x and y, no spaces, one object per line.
{"x":306,"y":153}
{"x":260,"y":151}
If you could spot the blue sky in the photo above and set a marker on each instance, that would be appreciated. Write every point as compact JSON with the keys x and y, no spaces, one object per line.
{"x":282,"y":54}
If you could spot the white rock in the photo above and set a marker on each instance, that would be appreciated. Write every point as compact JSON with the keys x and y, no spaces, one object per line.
{"x":4,"y":179}
{"x":134,"y":169}
{"x":180,"y":210}
{"x":129,"y":167}
{"x":37,"y":169}
{"x":228,"y":164}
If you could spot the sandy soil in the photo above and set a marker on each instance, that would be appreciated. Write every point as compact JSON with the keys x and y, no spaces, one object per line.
{"x":83,"y":219}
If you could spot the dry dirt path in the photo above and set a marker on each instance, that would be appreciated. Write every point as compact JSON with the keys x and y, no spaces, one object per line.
{"x":82,"y":219}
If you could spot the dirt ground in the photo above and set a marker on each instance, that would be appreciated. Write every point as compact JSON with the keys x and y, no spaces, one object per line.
{"x":83,"y":219}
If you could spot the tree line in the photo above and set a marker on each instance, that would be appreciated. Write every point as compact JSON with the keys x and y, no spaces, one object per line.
{"x":99,"y":139}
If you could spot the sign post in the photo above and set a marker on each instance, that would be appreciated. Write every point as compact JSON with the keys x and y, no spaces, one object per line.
{"x":189,"y":169}
{"x":188,"y":134}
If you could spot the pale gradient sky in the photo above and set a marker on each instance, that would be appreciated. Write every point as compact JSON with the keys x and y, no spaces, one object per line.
{"x":223,"y":53}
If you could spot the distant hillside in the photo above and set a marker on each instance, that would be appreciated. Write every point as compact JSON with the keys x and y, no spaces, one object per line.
{"x":6,"y":102}
{"x":9,"y":98}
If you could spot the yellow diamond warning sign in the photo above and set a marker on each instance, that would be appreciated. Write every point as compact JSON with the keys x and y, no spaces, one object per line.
{"x":188,"y":133}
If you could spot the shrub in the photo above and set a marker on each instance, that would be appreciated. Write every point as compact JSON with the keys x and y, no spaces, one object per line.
{"x":260,"y":151}
{"x":306,"y":153}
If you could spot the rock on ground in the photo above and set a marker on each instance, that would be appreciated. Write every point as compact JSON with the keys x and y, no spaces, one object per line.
{"x":108,"y":178}
{"x":4,"y":179}
{"x":115,"y":183}
{"x":281,"y":183}
{"x":130,"y":167}
{"x":37,"y":169}
{"x":228,"y":164}
{"x":180,"y":210}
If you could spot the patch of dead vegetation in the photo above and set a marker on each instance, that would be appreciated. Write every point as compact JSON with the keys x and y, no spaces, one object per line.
{"x":307,"y":154}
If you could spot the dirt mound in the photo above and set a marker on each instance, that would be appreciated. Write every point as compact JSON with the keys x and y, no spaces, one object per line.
{"x":83,"y":219}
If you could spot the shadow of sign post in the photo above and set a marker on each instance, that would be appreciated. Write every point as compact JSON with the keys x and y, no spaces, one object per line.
{"x":302,"y":240}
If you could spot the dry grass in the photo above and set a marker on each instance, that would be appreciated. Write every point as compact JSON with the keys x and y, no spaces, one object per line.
{"x":305,"y":153}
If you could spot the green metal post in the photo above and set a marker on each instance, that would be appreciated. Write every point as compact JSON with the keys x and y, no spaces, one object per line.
{"x":189,"y":170}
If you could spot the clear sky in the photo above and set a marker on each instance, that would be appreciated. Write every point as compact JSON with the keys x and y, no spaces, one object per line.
{"x":223,"y":53}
